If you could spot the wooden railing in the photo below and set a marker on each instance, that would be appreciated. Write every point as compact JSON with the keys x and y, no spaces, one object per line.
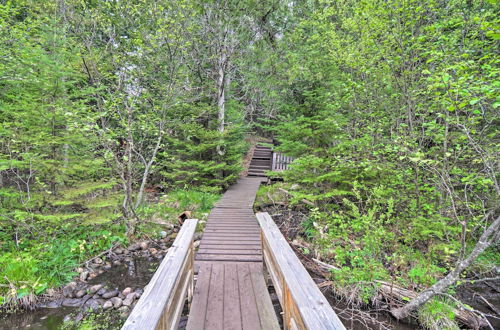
{"x":161,"y":304}
{"x":303,"y":304}
{"x":280,"y":162}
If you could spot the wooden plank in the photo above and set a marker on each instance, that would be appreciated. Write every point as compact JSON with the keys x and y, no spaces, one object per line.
{"x":229,"y":242}
{"x":230,"y":251}
{"x":302,"y":301}
{"x":227,"y":257}
{"x":229,"y":227}
{"x":215,"y":309}
{"x":232,"y":312}
{"x":265,"y":307}
{"x":161,"y":291}
{"x":198,"y":311}
{"x":250,"y":316}
{"x":239,"y":237}
{"x":230,"y":246}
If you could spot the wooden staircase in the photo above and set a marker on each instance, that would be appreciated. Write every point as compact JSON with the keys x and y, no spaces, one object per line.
{"x":261,"y":161}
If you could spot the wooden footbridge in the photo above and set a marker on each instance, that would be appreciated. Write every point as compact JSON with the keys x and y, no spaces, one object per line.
{"x":238,"y":252}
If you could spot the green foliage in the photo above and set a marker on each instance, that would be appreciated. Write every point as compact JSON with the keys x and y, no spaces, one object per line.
{"x":391,"y":109}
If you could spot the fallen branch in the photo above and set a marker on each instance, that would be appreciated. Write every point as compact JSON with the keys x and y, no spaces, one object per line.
{"x":303,"y":200}
{"x":394,"y":293}
{"x":325,"y":265}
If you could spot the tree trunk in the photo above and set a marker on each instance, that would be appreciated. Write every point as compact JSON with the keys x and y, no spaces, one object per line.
{"x":147,"y":168}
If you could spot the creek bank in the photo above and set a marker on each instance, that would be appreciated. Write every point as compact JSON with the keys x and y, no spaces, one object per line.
{"x":108,"y":285}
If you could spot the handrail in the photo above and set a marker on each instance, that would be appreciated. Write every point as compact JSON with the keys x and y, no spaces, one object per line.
{"x":280,"y":162}
{"x":161,"y":304}
{"x":303,"y":304}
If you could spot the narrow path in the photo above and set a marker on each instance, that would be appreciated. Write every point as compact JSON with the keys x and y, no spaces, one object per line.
{"x":231,"y":292}
{"x":232,"y":232}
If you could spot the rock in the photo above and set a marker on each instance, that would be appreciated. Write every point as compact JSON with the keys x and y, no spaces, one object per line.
{"x":197,"y":237}
{"x":117,"y":302}
{"x":107,"y":305}
{"x":128,"y":259}
{"x":110,"y":294}
{"x":79,"y":270}
{"x":173,"y":235}
{"x":54,"y":304}
{"x":196,"y":244}
{"x":100,"y":271}
{"x":121,"y":296}
{"x":119,"y":250}
{"x":92,"y":275}
{"x":144,"y":245}
{"x":107,"y":266}
{"x":153,"y":251}
{"x":50,"y":304}
{"x":125,"y":251}
{"x":94,"y":288}
{"x":101,"y":291}
{"x":84,"y":275}
{"x":68,"y":290}
{"x":163,"y":234}
{"x":126,"y":291}
{"x":67,"y":319}
{"x":72,"y":302}
{"x":80,"y":293}
{"x":138,"y":292}
{"x":92,"y":304}
{"x":129,"y":299}
{"x":117,"y":262}
{"x":134,"y":247}
{"x":98,"y":261}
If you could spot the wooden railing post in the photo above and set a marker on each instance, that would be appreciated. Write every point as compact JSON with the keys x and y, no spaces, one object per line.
{"x":161,"y":304}
{"x":303,"y":304}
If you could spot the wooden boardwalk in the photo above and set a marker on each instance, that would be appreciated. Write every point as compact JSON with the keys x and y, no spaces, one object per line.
{"x":231,"y":292}
{"x":231,"y":288}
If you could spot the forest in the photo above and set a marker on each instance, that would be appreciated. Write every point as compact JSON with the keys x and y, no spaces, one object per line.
{"x":117,"y":116}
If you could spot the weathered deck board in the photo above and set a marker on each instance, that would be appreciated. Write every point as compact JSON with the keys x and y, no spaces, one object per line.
{"x":231,"y":295}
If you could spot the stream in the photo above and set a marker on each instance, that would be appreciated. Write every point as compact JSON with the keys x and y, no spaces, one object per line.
{"x":134,"y":273}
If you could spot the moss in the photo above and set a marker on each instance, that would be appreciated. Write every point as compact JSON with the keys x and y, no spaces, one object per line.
{"x":437,"y":314}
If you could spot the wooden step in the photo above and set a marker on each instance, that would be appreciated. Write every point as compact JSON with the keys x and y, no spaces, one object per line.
{"x":260,"y":167}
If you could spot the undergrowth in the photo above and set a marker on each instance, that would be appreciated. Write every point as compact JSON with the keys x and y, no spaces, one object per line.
{"x":42,"y":252}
